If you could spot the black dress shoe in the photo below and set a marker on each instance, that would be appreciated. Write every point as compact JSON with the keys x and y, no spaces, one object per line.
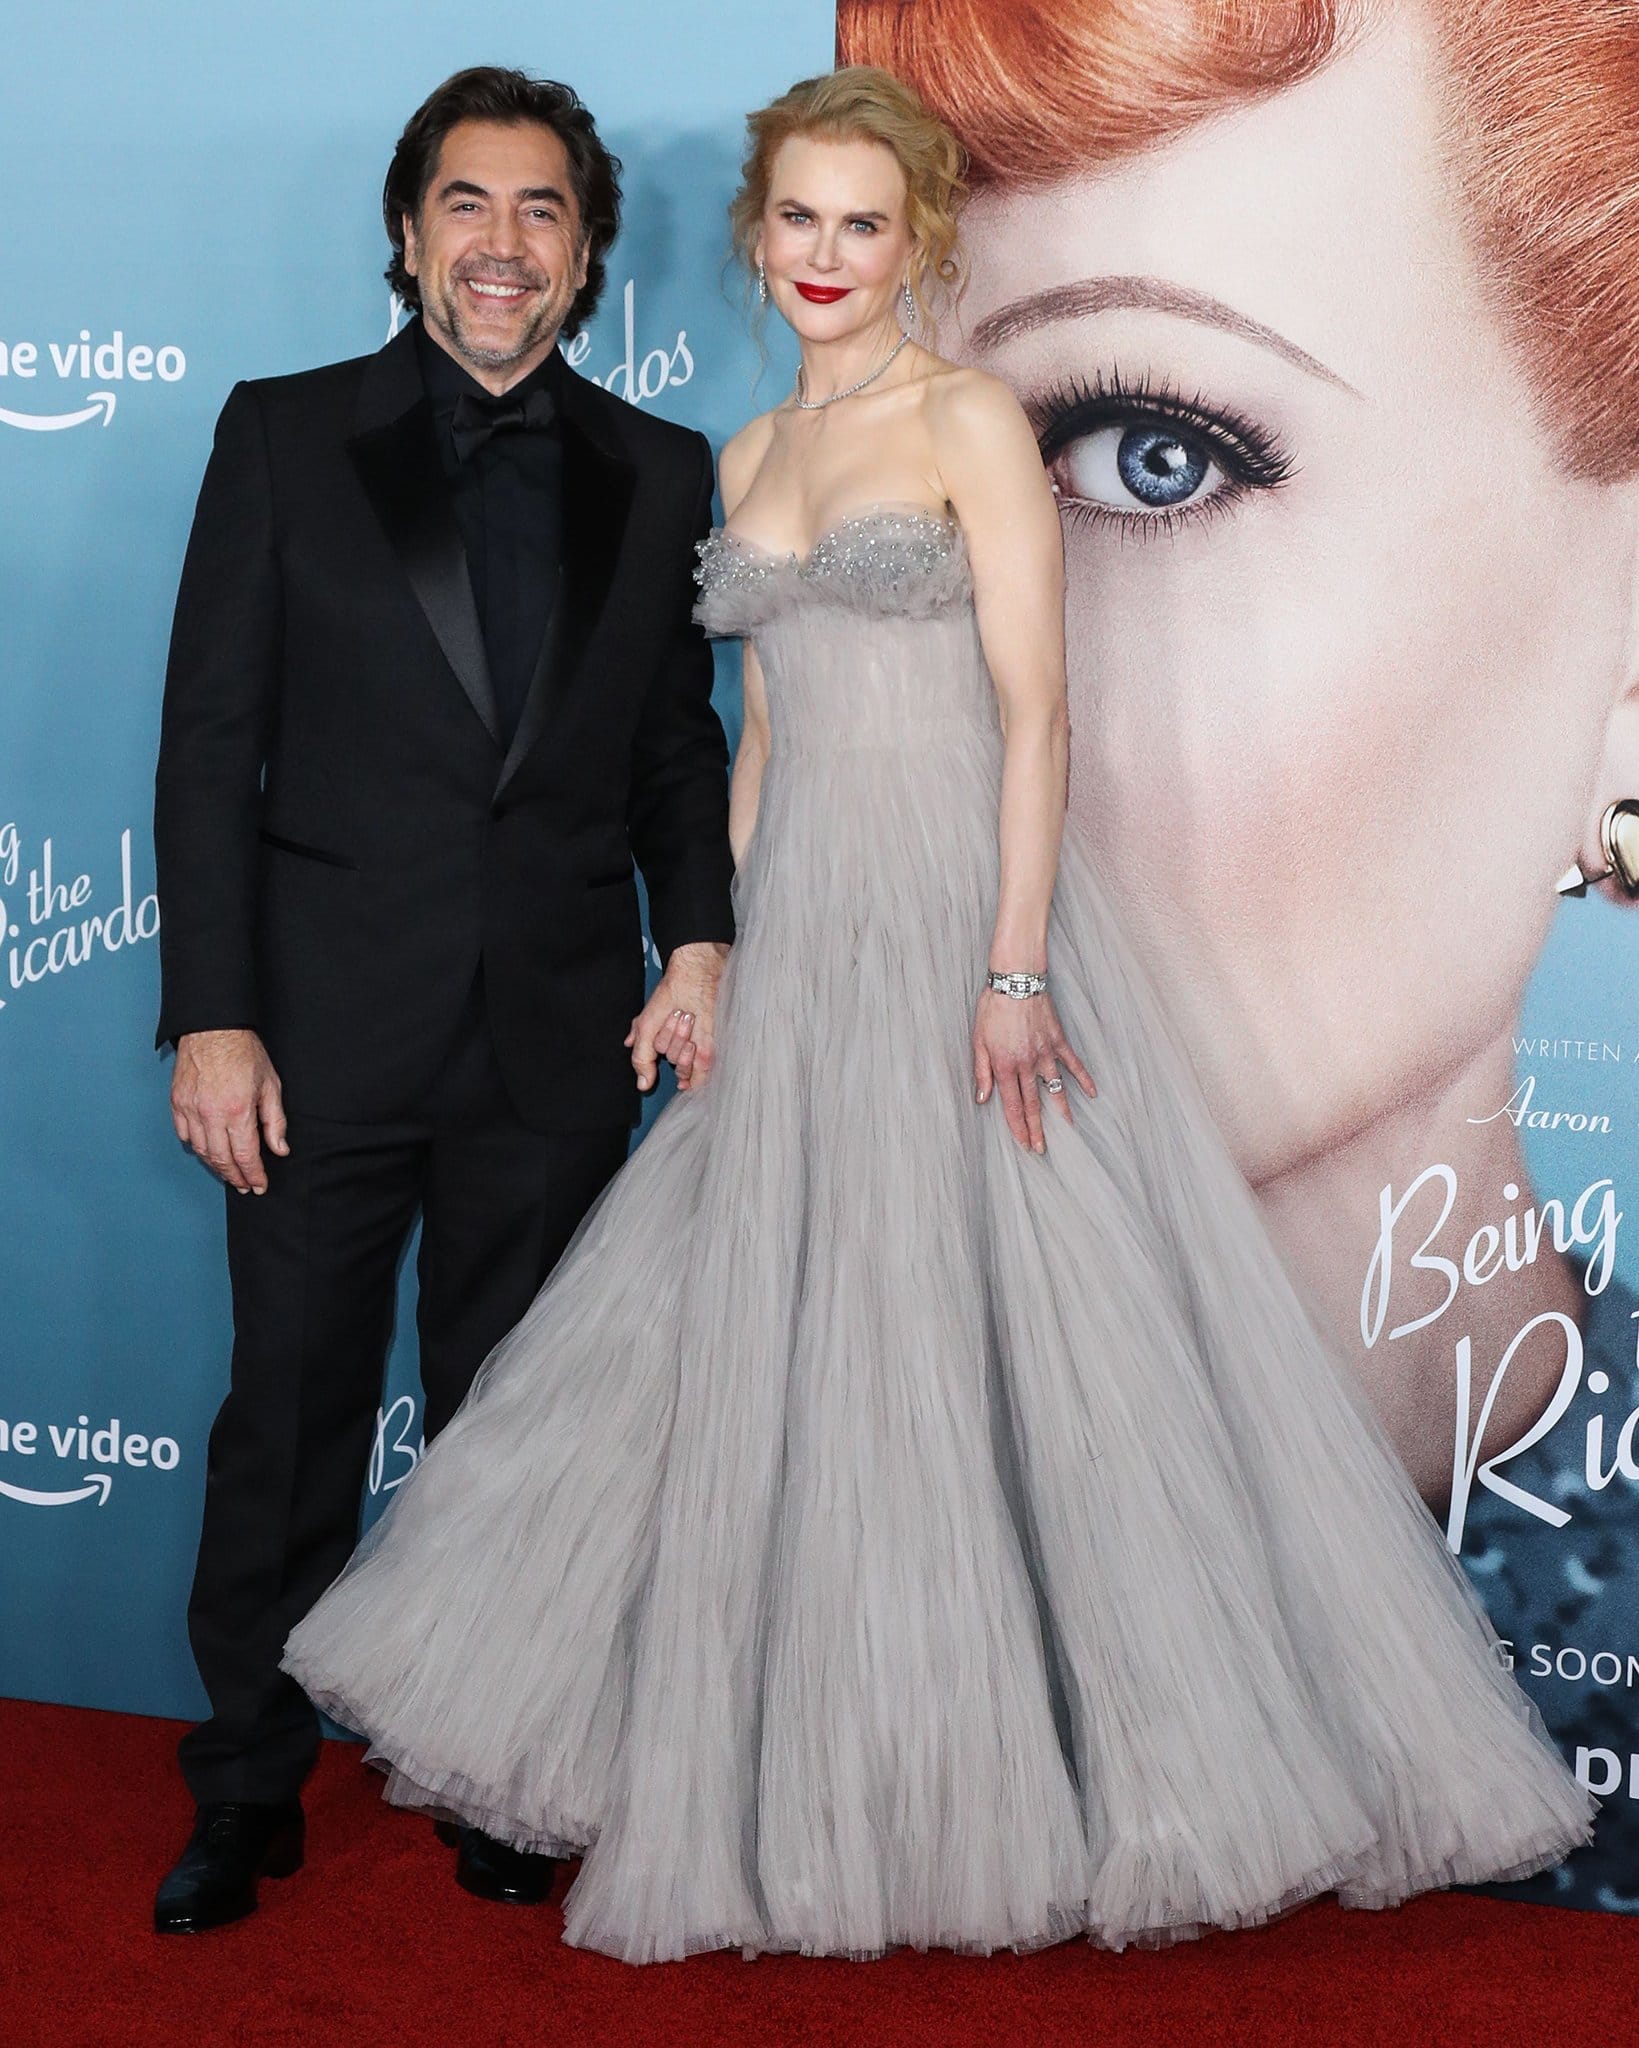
{"x":491,"y":1870}
{"x":232,"y":1845}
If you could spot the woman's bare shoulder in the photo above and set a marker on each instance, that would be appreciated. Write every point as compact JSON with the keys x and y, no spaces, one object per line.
{"x":742,"y":457}
{"x":963,"y":399}
{"x":982,"y":443}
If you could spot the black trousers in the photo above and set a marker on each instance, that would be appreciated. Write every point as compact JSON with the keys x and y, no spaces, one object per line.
{"x":313,"y":1269}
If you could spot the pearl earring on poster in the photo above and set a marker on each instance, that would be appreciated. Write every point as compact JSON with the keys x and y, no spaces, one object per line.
{"x":1619,"y":842}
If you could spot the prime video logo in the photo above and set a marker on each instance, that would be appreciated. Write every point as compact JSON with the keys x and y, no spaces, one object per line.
{"x":85,"y":361}
{"x":111,"y":1447}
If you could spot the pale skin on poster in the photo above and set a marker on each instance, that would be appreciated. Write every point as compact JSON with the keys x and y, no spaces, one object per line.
{"x":499,"y":253}
{"x":1336,"y":734}
{"x":926,"y":433}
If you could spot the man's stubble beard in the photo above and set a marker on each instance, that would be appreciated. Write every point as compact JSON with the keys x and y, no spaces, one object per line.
{"x":544,"y":327}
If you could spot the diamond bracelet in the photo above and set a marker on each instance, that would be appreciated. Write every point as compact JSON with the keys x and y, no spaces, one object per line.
{"x":1017,"y":985}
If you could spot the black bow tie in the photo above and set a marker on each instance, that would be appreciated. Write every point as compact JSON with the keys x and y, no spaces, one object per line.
{"x":476,"y":419}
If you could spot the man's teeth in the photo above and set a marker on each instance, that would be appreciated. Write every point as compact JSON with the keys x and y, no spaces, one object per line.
{"x":497,"y":291}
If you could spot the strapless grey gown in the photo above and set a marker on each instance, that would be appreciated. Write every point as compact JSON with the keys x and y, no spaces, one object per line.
{"x":875,"y":1533}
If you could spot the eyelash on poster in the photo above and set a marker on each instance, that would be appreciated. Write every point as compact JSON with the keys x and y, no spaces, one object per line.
{"x":1249,"y":455}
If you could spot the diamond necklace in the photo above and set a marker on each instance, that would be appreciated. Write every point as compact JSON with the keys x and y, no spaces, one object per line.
{"x":819,"y":404}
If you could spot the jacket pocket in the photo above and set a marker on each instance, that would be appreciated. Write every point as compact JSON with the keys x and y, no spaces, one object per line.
{"x":303,"y":852}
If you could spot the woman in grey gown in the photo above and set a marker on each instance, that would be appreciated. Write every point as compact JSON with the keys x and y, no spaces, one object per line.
{"x":916,"y":1511}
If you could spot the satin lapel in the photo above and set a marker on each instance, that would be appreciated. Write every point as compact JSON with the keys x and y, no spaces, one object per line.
{"x":399,"y":467}
{"x":597,"y":498}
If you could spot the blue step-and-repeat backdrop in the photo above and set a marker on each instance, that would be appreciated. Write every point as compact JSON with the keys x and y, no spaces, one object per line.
{"x":204,"y":205}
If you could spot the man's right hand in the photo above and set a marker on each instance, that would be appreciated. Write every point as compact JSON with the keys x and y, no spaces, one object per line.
{"x":226,"y":1103}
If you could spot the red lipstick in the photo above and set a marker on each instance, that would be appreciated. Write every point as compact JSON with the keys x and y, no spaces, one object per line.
{"x":823,"y":294}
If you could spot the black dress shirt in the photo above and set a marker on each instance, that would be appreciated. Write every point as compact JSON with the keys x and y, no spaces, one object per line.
{"x":508,"y":500}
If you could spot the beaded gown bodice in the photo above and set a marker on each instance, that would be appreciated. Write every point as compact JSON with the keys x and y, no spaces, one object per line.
{"x":870,"y":639}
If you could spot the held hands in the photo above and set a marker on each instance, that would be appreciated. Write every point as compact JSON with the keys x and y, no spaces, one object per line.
{"x":1018,"y":1048}
{"x":676,"y":1023}
{"x":226,"y":1103}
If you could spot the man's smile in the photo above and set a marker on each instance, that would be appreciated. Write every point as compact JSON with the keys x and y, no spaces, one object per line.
{"x":502,"y":294}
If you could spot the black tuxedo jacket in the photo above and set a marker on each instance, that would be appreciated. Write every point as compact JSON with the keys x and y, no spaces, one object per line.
{"x":341,"y":838}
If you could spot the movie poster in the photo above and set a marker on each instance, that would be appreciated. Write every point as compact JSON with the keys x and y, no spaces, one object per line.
{"x":1327,"y":320}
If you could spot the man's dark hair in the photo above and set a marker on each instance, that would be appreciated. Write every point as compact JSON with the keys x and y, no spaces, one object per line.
{"x":487,"y":92}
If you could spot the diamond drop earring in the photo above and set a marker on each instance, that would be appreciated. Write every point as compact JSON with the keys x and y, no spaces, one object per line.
{"x":762,"y":283}
{"x":910,"y":304}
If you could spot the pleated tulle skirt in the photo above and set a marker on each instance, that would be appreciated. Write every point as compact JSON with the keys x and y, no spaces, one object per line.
{"x":878,"y":1534}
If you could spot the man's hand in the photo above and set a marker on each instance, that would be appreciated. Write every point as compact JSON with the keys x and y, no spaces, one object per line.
{"x":676,"y":1023}
{"x":226,"y":1103}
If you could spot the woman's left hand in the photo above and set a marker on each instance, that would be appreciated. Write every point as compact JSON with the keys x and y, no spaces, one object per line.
{"x":677,"y":1023}
{"x":1019,"y":1049}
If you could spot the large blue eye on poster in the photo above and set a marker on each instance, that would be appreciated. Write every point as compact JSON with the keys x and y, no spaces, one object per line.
{"x":205,"y":207}
{"x":1328,"y":326}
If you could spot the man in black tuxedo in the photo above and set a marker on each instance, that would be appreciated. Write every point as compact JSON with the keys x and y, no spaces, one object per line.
{"x":433,"y":684}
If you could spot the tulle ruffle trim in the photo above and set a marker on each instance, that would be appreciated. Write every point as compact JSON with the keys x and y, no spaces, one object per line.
{"x":1121,"y":1909}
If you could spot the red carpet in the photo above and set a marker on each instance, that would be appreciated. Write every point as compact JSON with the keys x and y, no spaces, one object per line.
{"x":374,"y":1945}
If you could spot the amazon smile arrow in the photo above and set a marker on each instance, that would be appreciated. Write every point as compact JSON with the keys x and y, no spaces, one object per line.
{"x":98,"y":404}
{"x":96,"y":1482}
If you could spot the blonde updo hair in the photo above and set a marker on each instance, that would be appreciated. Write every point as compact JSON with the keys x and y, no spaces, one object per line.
{"x":862,"y":103}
